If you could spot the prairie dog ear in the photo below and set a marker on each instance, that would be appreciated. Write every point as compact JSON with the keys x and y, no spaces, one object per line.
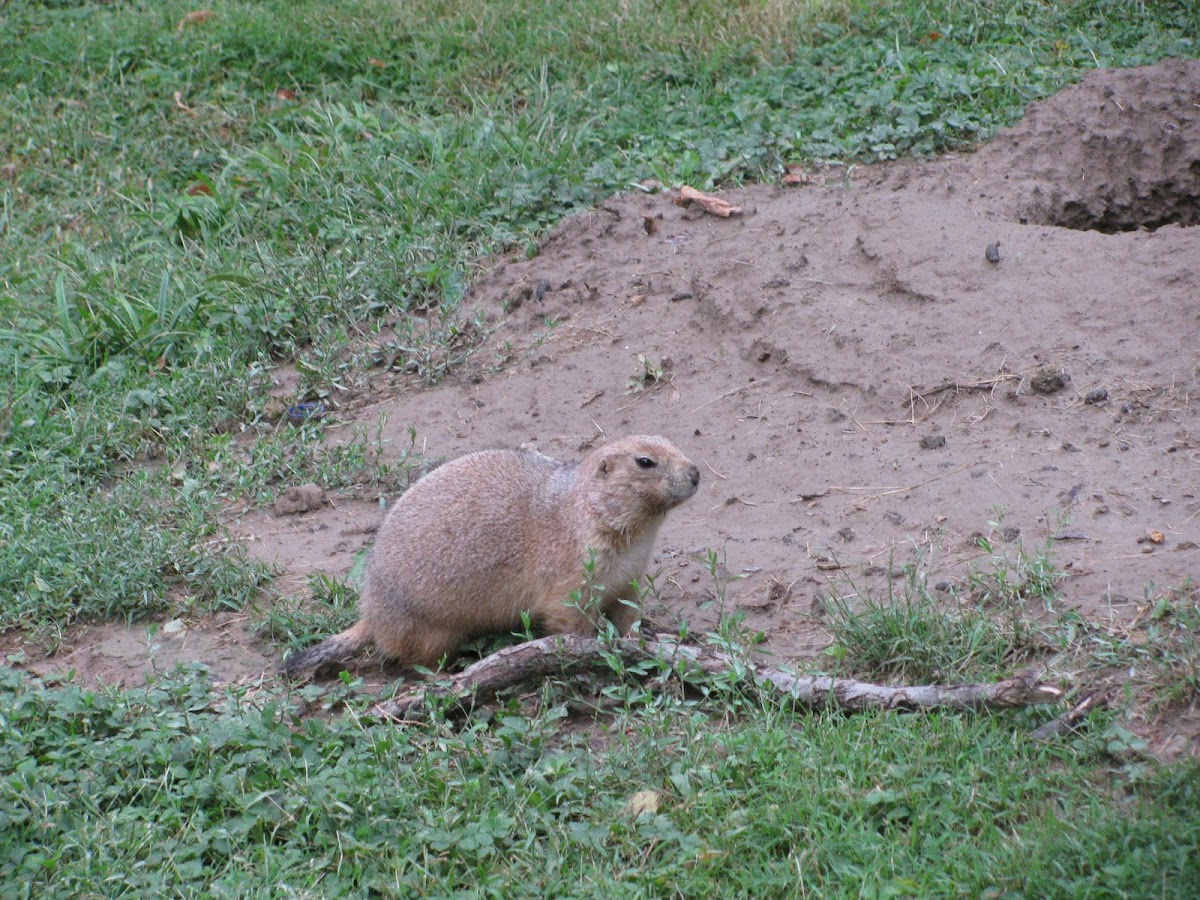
{"x":602,"y":471}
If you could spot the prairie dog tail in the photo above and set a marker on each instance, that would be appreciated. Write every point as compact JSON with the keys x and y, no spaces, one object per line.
{"x":335,"y":649}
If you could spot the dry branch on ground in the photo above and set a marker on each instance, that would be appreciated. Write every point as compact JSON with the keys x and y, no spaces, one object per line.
{"x":572,"y":654}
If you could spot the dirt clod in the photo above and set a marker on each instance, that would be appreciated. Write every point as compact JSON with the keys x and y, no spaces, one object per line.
{"x":300,"y":499}
{"x":1048,"y":381}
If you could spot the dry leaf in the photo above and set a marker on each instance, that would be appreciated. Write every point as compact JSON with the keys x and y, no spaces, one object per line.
{"x":198,"y":188}
{"x":714,"y":206}
{"x":198,"y":17}
{"x":179,"y":104}
{"x":791,"y":179}
{"x":637,"y":299}
{"x":642,"y":802}
{"x":1156,"y":537}
{"x":377,"y":63}
{"x":285,"y":94}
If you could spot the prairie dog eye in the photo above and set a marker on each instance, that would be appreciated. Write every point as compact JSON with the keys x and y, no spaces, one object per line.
{"x":645,"y":462}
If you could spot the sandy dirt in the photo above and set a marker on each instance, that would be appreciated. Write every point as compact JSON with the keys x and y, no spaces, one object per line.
{"x":858,"y":382}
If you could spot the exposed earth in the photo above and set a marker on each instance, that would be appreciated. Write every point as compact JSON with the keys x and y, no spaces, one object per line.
{"x":860,"y":377}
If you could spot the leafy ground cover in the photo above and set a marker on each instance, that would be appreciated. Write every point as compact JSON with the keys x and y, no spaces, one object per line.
{"x":181,"y":789}
{"x":190,"y":201}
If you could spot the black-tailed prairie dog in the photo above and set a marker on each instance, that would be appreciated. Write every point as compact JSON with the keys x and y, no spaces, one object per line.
{"x":491,"y":535}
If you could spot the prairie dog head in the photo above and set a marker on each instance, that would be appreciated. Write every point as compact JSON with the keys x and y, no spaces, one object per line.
{"x":633,"y":482}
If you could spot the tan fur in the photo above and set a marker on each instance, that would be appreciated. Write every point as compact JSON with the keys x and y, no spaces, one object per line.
{"x":488,"y":536}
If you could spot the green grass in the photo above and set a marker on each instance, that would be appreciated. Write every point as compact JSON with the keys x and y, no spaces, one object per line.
{"x":1004,"y":615}
{"x":184,"y":209}
{"x":990,"y":623}
{"x":181,"y":790}
{"x":163,"y":252}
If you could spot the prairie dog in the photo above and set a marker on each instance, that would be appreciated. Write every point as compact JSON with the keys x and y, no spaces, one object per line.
{"x":494,"y":534}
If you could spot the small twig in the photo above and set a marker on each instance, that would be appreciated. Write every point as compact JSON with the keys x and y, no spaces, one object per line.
{"x":810,"y":496}
{"x":731,"y":391}
{"x":1069,"y":536}
{"x":646,"y":391}
{"x":887,"y":492}
{"x":733,"y":500}
{"x":1065,"y":723}
{"x":950,"y":387}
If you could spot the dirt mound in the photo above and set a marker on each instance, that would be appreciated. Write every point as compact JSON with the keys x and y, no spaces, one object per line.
{"x":1119,"y":151}
{"x":861,"y":379}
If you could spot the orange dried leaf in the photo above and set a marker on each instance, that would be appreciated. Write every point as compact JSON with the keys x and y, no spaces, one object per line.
{"x":199,"y":17}
{"x":199,"y":188}
{"x":285,"y":94}
{"x":1156,"y":537}
{"x":714,"y":206}
{"x":377,"y":63}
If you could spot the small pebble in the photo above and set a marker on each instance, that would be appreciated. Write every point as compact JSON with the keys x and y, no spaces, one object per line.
{"x":992,"y":253}
{"x":1099,"y":395}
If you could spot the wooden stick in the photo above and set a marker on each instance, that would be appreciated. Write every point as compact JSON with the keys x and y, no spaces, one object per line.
{"x":569,"y":654}
{"x":1065,"y":723}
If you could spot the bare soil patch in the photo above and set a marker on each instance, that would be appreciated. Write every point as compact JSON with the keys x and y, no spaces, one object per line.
{"x":121,"y":654}
{"x":859,"y":377}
